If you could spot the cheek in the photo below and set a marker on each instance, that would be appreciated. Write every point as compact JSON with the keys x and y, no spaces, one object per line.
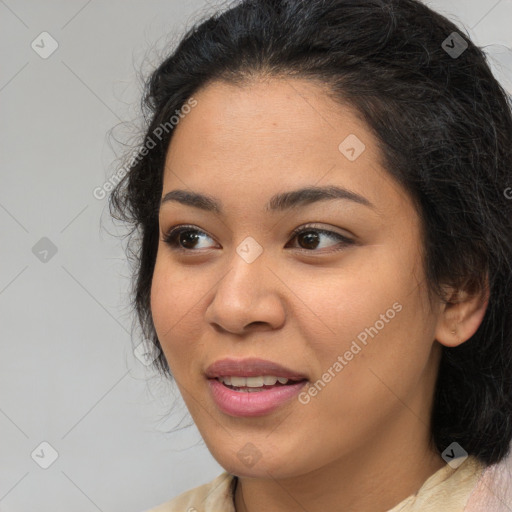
{"x":163,"y":299}
{"x":173,"y":299}
{"x":379,"y":325}
{"x":345,"y":302}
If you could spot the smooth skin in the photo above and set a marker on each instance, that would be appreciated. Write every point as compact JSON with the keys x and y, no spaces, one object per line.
{"x":362,"y":443}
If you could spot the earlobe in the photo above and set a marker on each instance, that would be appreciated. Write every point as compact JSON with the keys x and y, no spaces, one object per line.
{"x":461,"y":317}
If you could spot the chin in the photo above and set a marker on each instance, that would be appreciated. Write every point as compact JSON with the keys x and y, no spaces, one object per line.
{"x":262,"y":467}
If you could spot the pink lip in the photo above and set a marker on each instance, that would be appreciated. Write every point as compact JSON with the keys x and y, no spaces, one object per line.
{"x":250,"y":367}
{"x":259,"y":403}
{"x":240,"y":403}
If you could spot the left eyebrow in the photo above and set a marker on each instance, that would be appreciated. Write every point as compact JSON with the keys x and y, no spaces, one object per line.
{"x":278,"y":203}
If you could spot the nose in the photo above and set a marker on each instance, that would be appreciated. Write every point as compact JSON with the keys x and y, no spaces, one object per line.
{"x":249,"y":297}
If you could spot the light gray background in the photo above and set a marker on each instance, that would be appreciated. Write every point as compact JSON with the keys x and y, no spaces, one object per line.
{"x":68,"y":374}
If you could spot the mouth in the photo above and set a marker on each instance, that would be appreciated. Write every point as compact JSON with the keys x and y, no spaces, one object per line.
{"x":252,"y":387}
{"x":249,"y":401}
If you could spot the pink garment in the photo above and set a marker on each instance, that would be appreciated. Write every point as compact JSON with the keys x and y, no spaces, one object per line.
{"x":493,"y":491}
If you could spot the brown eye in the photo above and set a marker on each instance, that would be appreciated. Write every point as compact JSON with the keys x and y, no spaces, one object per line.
{"x":184,"y":238}
{"x":309,"y":238}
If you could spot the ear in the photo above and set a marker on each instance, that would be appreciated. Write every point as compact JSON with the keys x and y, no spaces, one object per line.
{"x":461,"y":317}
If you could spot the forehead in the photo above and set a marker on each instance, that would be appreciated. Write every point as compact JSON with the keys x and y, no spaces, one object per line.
{"x":270,"y":135}
{"x":274,"y":111}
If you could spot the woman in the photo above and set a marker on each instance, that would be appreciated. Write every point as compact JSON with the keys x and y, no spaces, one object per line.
{"x":324,"y":256}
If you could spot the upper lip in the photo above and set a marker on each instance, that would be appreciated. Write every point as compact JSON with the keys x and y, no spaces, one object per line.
{"x":251,"y":367}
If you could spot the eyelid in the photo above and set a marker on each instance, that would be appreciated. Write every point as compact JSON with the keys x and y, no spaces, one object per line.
{"x":320,"y":228}
{"x":295,"y":231}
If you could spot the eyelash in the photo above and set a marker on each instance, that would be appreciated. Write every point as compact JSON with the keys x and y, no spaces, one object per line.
{"x":172,"y":236}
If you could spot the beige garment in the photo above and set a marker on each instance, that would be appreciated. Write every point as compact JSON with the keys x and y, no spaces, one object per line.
{"x":447,"y":490}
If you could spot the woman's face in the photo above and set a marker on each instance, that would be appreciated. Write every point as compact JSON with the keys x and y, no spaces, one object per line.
{"x":344,"y":304}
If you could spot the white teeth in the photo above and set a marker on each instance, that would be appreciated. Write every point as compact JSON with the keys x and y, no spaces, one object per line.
{"x":252,"y":382}
{"x":238,"y":381}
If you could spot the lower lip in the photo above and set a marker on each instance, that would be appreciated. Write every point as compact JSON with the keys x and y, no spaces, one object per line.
{"x":258,"y":403}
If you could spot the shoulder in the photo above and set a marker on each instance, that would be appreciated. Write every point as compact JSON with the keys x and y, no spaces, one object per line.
{"x":210,"y":497}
